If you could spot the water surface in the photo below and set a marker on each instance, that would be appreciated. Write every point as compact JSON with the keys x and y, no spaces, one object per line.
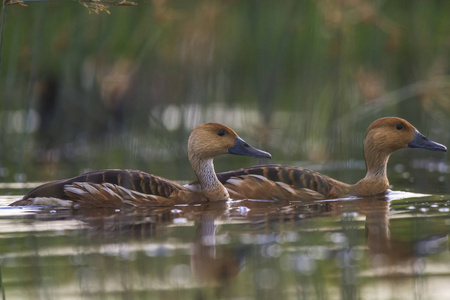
{"x":388,"y":247}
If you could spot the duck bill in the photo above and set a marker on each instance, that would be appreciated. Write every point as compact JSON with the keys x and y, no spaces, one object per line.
{"x":242,"y":148}
{"x":420,"y":141}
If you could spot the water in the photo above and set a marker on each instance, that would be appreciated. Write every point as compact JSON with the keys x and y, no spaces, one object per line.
{"x":392,"y":247}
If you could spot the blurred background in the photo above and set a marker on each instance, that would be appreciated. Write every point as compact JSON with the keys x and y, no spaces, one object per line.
{"x":301,"y":79}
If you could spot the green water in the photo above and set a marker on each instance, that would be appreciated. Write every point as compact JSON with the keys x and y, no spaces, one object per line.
{"x":390,"y":247}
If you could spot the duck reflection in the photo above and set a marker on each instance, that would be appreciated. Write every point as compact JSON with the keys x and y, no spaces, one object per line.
{"x":215,"y":264}
{"x":393,"y":253}
{"x":217,"y":259}
{"x":211,"y":265}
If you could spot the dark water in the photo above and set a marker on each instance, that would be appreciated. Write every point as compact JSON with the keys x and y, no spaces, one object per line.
{"x":390,"y":247}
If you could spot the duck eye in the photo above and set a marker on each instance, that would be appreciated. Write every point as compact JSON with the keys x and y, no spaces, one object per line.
{"x":220,"y":132}
{"x":399,"y":126}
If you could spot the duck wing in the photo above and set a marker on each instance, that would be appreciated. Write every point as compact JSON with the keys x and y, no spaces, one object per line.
{"x":278,"y":181}
{"x":112,"y":185}
{"x":90,"y":195}
{"x":259,"y":187}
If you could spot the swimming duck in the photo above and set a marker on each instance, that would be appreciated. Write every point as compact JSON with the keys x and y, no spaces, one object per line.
{"x":117,"y":188}
{"x":383,"y":137}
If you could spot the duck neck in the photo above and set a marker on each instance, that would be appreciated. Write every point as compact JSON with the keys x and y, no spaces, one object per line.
{"x":375,"y":181}
{"x":376,"y":165}
{"x":209,"y":183}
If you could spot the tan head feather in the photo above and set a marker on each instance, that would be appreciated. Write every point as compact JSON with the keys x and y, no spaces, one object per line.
{"x":211,"y":139}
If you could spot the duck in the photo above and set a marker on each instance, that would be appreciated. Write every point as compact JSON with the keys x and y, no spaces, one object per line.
{"x":383,"y":137}
{"x":115,"y":188}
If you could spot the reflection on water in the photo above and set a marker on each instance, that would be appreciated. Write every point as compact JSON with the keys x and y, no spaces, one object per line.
{"x":390,"y":247}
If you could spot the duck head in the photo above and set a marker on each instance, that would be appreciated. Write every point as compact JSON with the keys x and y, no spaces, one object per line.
{"x":209,"y":140}
{"x":383,"y":137}
{"x":389,"y":134}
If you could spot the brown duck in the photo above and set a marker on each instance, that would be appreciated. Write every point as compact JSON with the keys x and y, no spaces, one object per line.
{"x":383,"y":137}
{"x":118,"y":188}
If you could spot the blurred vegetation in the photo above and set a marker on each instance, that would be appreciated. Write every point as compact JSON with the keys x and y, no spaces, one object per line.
{"x":301,"y":79}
